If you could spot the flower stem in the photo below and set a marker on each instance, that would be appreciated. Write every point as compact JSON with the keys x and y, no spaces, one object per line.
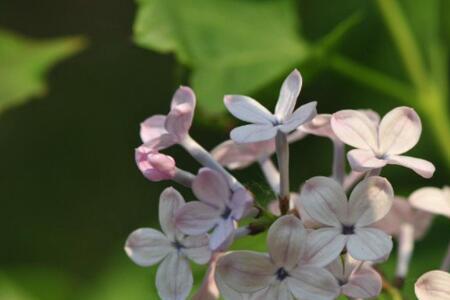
{"x":282,"y":149}
{"x":205,"y":159}
{"x":373,"y":172}
{"x":338,"y":161}
{"x":446,"y":262}
{"x":404,"y":254}
{"x":270,"y":173}
{"x":183,"y":177}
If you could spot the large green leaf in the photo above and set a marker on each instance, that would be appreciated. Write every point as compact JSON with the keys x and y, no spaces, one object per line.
{"x":232,"y":46}
{"x":24,"y":63}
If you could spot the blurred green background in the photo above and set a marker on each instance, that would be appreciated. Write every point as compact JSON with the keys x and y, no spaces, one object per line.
{"x":70,"y":190}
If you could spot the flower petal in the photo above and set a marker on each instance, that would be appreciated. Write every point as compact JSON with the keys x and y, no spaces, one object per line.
{"x":309,"y":282}
{"x":288,"y":95}
{"x":275,"y":291}
{"x":196,"y":218}
{"x":363,"y":283}
{"x":286,"y":241}
{"x":153,"y":165}
{"x":179,"y":119}
{"x":253,"y":133}
{"x":324,"y":200}
{"x":399,"y":130}
{"x":420,"y":166}
{"x":152,"y":128}
{"x":369,"y":244}
{"x":302,"y":115}
{"x":240,"y":202}
{"x":354,"y":128}
{"x":174,"y":278}
{"x":196,"y":248}
{"x":226,"y":291}
{"x":432,"y":200}
{"x":320,"y":125}
{"x":170,"y":201}
{"x":211,"y":187}
{"x":323,"y":246}
{"x":221,"y":233}
{"x":248,"y":109}
{"x":362,"y":160}
{"x":433,"y":285}
{"x":147,"y":246}
{"x":370,"y":201}
{"x":246,"y":271}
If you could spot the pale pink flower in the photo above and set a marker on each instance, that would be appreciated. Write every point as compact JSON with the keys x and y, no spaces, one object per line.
{"x":280,"y":274}
{"x":433,"y":285}
{"x":218,"y":209}
{"x":153,"y":165}
{"x":357,"y":280}
{"x":433,"y":200}
{"x":381,"y":144}
{"x":160,"y":131}
{"x":147,"y":247}
{"x":265,"y":125}
{"x":403,"y":212}
{"x":347,"y":224}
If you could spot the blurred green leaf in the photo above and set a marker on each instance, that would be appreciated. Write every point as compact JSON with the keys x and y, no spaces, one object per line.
{"x":24,"y":63}
{"x":10,"y":290}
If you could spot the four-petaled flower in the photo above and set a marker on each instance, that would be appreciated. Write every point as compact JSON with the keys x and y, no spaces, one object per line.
{"x":346,"y":224}
{"x":218,"y":209}
{"x":280,"y":274}
{"x":265,"y":125}
{"x":381,"y":144}
{"x":356,"y":279}
{"x":147,"y":247}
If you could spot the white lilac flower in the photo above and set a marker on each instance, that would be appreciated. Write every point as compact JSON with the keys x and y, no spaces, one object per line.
{"x":433,"y":285}
{"x":265,"y":125}
{"x":380,"y":144}
{"x":147,"y":247}
{"x":283,"y":273}
{"x":347,"y":224}
{"x":433,"y":200}
{"x":218,"y":209}
{"x":356,"y":279}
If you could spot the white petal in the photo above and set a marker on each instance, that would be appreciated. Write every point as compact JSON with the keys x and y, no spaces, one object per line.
{"x":196,"y":248}
{"x":420,"y":166}
{"x":355,"y":129}
{"x":364,"y":283}
{"x":275,"y":291}
{"x":399,"y":130}
{"x":174,"y":278}
{"x":241,"y":201}
{"x":248,"y":109}
{"x":302,"y":115}
{"x":324,"y":200}
{"x":320,"y":125}
{"x":288,"y":95}
{"x":433,"y":285}
{"x":196,"y":218}
{"x":212,"y":188}
{"x":323,"y":246}
{"x":246,"y":271}
{"x":169,"y":202}
{"x":147,"y":246}
{"x":222,"y":233}
{"x":253,"y":133}
{"x":370,"y":201}
{"x":226,"y":292}
{"x":308,"y":282}
{"x":362,"y":160}
{"x":369,"y":244}
{"x":286,"y":241}
{"x":431,"y":199}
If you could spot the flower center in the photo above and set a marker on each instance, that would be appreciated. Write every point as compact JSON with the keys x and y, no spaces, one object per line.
{"x":226,"y":213}
{"x":281,"y":274}
{"x":177,"y":245}
{"x":348,"y":229}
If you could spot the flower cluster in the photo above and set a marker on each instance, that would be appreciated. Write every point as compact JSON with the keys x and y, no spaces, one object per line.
{"x":323,"y":240}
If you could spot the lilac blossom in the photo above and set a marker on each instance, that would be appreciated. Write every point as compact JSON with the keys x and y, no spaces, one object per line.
{"x":433,"y":285}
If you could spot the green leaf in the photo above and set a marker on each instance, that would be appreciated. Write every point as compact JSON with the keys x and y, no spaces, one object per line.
{"x":232,"y":46}
{"x":24,"y":63}
{"x":10,"y":290}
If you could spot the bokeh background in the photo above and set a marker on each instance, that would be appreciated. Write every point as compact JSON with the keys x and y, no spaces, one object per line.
{"x":70,"y":191}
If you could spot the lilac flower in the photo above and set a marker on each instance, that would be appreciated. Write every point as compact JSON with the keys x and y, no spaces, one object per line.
{"x":153,"y":165}
{"x":147,"y":247}
{"x":433,"y":200}
{"x":218,"y":209}
{"x":381,"y":144}
{"x":356,"y":279}
{"x":433,"y":285}
{"x":265,"y":125}
{"x":347,"y":224}
{"x":280,"y":274}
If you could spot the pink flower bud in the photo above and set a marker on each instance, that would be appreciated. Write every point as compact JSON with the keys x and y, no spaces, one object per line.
{"x":155,"y":166}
